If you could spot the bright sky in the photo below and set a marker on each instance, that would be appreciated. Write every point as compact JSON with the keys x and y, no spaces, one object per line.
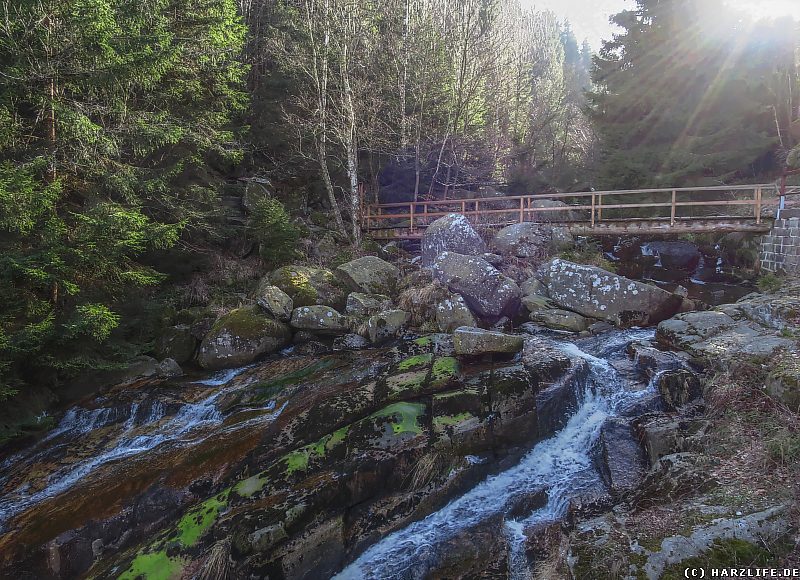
{"x":589,"y":18}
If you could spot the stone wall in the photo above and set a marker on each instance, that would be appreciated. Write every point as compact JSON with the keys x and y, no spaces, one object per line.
{"x":780,"y":249}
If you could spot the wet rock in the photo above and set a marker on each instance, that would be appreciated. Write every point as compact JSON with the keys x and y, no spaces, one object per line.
{"x":359,"y":304}
{"x":452,"y":313}
{"x":543,"y":357}
{"x":487,"y":292}
{"x":386,"y":325}
{"x":240,"y":337}
{"x":451,"y":233}
{"x":69,"y":555}
{"x":350,"y":342}
{"x":556,"y":401}
{"x":678,"y":387}
{"x":531,"y":240}
{"x":471,"y":341}
{"x":675,"y":254}
{"x":320,"y":320}
{"x":620,"y":458}
{"x":593,"y":292}
{"x":176,"y":342}
{"x":308,"y":286}
{"x":557,"y":319}
{"x":369,"y":275}
{"x":600,"y":327}
{"x":168,"y":369}
{"x":273,"y":300}
{"x":649,"y":359}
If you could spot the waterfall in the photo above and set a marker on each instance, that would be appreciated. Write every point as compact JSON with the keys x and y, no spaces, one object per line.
{"x":561,"y":464}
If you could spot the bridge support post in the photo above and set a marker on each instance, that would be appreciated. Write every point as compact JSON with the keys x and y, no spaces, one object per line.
{"x":672,"y":208}
{"x":780,"y":248}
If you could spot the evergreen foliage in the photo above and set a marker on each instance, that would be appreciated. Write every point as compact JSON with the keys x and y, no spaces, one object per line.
{"x":110,"y":111}
{"x":690,"y":93}
{"x":277,"y":236}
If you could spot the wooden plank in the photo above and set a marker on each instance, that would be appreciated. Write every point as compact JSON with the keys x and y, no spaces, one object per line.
{"x":672,"y":209}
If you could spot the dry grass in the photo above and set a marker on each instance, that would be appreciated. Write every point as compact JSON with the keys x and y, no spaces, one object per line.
{"x":428,"y":468}
{"x":421,"y":302}
{"x":227,"y":270}
{"x":218,"y":564}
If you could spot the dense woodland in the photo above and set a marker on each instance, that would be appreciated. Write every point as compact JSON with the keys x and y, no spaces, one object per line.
{"x":125,"y":123}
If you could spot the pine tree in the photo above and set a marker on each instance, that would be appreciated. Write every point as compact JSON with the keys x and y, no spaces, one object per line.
{"x":110,"y":112}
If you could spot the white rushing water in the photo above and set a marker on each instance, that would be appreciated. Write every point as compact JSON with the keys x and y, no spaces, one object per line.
{"x":140,"y":430}
{"x":562,"y":464}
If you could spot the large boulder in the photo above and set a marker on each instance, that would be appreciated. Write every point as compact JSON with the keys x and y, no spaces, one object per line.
{"x":387,"y":325}
{"x":674,"y":254}
{"x":451,"y":233}
{"x":359,"y":304}
{"x":620,"y":458}
{"x":240,"y":337}
{"x":320,"y":320}
{"x":558,"y":319}
{"x":596,"y":293}
{"x":452,"y":313}
{"x":370,"y":275}
{"x":176,"y":342}
{"x":531,"y":240}
{"x":470,"y":341}
{"x":274,"y":300}
{"x":308,"y":286}
{"x":678,"y":388}
{"x":487,"y":292}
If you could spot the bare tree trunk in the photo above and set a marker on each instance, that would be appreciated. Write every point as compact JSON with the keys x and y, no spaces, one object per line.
{"x":352,"y":150}
{"x":320,"y":71}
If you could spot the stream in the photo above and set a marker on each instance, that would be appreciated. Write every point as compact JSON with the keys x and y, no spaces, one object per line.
{"x":562,"y":464}
{"x":126,"y":433}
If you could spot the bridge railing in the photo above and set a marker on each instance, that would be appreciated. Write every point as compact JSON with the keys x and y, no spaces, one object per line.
{"x":590,"y":207}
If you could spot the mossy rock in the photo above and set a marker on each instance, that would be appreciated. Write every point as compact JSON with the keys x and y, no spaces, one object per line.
{"x":308,"y":286}
{"x":240,"y":337}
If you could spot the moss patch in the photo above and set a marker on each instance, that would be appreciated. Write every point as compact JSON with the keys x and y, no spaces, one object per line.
{"x":298,"y":460}
{"x":198,"y":520}
{"x":296,"y":282}
{"x":155,"y":566}
{"x":406,"y":417}
{"x":444,"y":370}
{"x":730,"y":553}
{"x":248,"y":322}
{"x":414,"y":362}
{"x":442,"y":421}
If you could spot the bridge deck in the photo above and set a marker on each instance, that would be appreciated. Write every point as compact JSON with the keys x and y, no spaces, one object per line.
{"x":689,"y":210}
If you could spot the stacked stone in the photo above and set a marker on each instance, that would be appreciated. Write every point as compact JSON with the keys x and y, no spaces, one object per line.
{"x":780,"y":249}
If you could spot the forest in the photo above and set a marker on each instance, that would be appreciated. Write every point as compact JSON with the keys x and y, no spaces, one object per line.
{"x":128,"y":126}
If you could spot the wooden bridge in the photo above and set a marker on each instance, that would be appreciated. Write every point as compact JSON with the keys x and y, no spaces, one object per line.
{"x":740,"y":208}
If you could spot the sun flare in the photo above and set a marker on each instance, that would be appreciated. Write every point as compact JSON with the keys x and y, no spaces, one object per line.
{"x":769,"y":9}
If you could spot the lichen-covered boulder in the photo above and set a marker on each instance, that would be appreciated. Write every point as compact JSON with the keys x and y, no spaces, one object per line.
{"x":451,"y":233}
{"x":452,"y":313}
{"x":531,"y":240}
{"x":471,"y":341}
{"x":176,"y":342}
{"x":240,"y":337}
{"x":386,"y":325}
{"x":715,"y":335}
{"x":596,"y":293}
{"x":320,"y":320}
{"x":273,"y":300}
{"x":308,"y":286}
{"x":370,"y":275}
{"x":359,"y":304}
{"x":487,"y":292}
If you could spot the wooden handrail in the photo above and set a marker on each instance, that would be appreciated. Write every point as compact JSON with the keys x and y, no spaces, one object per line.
{"x":522,"y":207}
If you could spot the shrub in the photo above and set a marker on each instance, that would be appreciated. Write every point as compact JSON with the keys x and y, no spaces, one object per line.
{"x":277,"y":236}
{"x":769,"y":283}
